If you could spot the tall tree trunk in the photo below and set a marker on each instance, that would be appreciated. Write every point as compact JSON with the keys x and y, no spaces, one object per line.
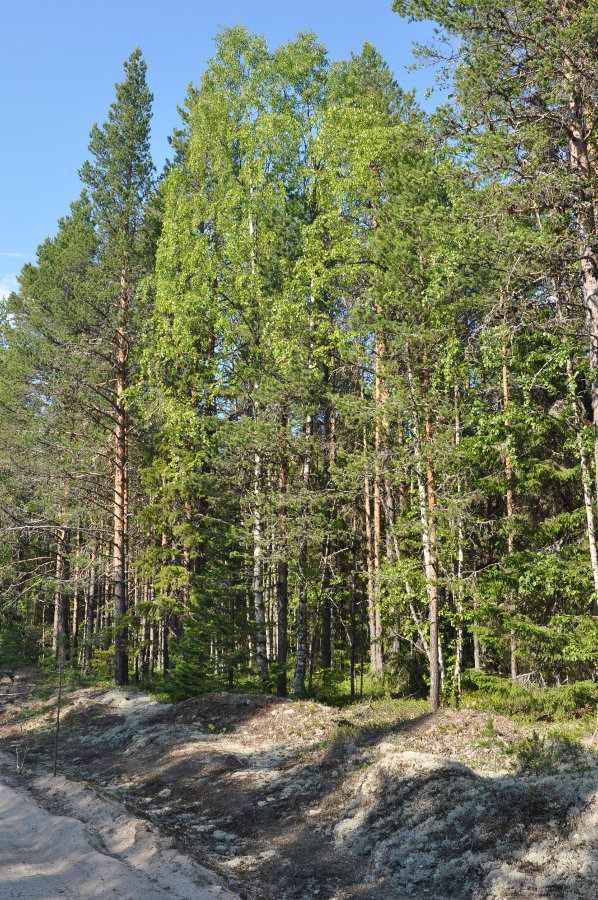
{"x":426,"y":490}
{"x":585,"y":217}
{"x":329,"y":454}
{"x":586,"y":238}
{"x":353,"y":603}
{"x":90,"y":597}
{"x":326,"y":607}
{"x":302,"y":648}
{"x":78,"y":593}
{"x":583,"y":463}
{"x":119,"y":558}
{"x":377,"y":662}
{"x":585,"y":484}
{"x":258,"y":575}
{"x":509,"y":493}
{"x":282,"y":577}
{"x":369,"y":562}
{"x":61,"y":600}
{"x":460,"y":557}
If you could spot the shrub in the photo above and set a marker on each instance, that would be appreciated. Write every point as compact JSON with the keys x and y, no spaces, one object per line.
{"x":483,"y":690}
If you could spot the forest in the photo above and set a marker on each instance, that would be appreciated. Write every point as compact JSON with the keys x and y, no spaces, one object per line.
{"x":318,"y":404}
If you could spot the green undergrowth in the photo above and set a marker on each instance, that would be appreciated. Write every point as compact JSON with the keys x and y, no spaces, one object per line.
{"x":334,"y":688}
{"x":547,"y":755}
{"x":577,"y":701}
{"x":329,"y":687}
{"x":170,"y":690}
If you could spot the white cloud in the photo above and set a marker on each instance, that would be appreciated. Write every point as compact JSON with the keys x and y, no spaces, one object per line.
{"x":8,"y":283}
{"x":14,"y":255}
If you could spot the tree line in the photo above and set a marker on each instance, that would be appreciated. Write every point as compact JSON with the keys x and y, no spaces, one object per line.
{"x":322,"y":398}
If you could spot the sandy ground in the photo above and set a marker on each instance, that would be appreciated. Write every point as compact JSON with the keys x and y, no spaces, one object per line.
{"x":46,"y":857}
{"x":290,"y":800}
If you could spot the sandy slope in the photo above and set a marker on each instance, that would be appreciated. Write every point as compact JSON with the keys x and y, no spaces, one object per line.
{"x":291,"y":801}
{"x":110,"y":853}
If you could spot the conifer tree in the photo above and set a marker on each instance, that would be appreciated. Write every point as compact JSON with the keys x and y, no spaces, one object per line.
{"x":119,"y":176}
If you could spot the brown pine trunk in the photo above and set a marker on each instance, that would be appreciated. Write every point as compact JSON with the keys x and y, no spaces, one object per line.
{"x":377,"y":662}
{"x":77,"y":597}
{"x":61,"y":602}
{"x":585,"y":484}
{"x":585,"y":218}
{"x":353,"y":613}
{"x":586,"y":238}
{"x":459,"y":573}
{"x":90,"y":596}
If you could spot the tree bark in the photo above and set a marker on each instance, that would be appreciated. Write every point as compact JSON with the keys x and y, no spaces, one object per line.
{"x":258,"y":571}
{"x":61,"y":601}
{"x":460,"y":560}
{"x":585,"y":484}
{"x":371,"y":577}
{"x":90,"y":596}
{"x":509,"y":494}
{"x":327,"y":558}
{"x":282,"y":578}
{"x":427,"y":504}
{"x":302,"y":648}
{"x":119,"y":558}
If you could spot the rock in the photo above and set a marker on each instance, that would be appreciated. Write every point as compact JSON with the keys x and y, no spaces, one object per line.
{"x":165,"y":794}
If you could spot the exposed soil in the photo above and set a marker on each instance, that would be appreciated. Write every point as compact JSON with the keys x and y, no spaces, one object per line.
{"x":296,"y":800}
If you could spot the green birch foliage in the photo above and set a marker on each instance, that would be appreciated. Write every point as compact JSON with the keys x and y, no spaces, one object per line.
{"x":220,"y":344}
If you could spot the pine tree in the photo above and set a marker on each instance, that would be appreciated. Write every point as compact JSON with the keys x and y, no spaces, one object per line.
{"x":119,"y":177}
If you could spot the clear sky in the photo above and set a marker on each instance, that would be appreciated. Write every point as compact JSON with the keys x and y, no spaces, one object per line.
{"x":60,"y":60}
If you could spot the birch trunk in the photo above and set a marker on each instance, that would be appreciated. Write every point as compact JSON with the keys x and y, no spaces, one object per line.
{"x":427,"y":503}
{"x":119,"y":556}
{"x":258,"y":579}
{"x":302,"y":649}
{"x":371,"y":577}
{"x":282,"y":579}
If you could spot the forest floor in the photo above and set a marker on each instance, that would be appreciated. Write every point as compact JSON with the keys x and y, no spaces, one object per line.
{"x":283,"y":799}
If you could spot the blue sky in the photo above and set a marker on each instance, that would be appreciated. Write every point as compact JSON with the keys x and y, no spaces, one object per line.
{"x":61,"y":58}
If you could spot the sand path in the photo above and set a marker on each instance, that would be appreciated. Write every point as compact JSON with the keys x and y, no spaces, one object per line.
{"x":53,"y":857}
